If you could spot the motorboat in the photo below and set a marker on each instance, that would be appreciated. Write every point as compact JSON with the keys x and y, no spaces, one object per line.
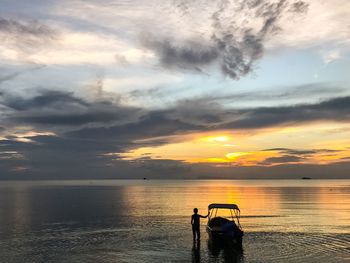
{"x":225,"y":226}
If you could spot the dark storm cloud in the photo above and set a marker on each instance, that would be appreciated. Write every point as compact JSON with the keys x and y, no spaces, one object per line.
{"x":56,"y":99}
{"x":282,"y":159}
{"x":154,"y":124}
{"x":189,"y":56}
{"x":301,"y":152}
{"x":294,"y":155}
{"x":234,"y":47}
{"x":10,"y":155}
{"x":195,"y":115}
{"x":52,"y":154}
{"x":337,"y":109}
{"x":54,"y":149}
{"x":95,"y":144}
{"x":199,"y":111}
{"x":63,"y":108}
{"x":54,"y":157}
{"x":115,"y":120}
{"x":184,"y":117}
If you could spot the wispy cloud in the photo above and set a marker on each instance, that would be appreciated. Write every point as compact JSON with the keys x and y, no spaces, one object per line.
{"x":26,"y":36}
{"x":233,"y":44}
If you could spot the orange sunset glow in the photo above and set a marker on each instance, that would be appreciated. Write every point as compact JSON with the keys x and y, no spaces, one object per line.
{"x":254,"y":149}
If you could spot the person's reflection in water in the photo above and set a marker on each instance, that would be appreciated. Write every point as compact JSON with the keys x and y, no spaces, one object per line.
{"x":196,"y":251}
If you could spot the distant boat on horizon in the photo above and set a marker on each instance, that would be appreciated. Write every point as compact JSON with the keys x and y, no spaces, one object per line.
{"x":306,"y":178}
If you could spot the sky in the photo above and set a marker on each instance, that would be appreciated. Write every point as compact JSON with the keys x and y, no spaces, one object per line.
{"x":239,"y":89}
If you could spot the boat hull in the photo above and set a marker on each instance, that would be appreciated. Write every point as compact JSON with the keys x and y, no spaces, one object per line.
{"x":235,"y":237}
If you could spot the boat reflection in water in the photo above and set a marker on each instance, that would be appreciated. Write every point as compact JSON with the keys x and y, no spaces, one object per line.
{"x":225,"y":232}
{"x":220,"y":250}
{"x":224,"y":250}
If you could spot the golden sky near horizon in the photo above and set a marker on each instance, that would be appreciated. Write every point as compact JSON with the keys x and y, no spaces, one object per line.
{"x":252,"y":148}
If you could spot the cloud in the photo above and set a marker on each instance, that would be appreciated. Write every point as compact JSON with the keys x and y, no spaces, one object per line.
{"x":282,"y":159}
{"x":106,"y":117}
{"x":301,"y":152}
{"x":295,"y":155}
{"x":337,"y":109}
{"x":57,"y":99}
{"x":82,"y":151}
{"x":189,"y":115}
{"x":26,"y":35}
{"x":53,"y":157}
{"x":306,"y":92}
{"x":233,"y":43}
{"x":299,"y":6}
{"x":7,"y":77}
{"x":64,"y":108}
{"x":331,"y":56}
{"x":189,"y":56}
{"x":150,"y":125}
{"x":330,"y":22}
{"x":33,"y":28}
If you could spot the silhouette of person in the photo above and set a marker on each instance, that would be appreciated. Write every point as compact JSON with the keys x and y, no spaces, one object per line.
{"x":195,"y":221}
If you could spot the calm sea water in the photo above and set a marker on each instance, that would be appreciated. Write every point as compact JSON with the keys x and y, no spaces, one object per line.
{"x":149,"y":221}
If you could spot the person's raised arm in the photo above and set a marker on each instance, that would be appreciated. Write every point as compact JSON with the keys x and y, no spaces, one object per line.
{"x":205,"y":216}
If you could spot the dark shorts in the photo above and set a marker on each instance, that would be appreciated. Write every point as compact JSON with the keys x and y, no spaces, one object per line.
{"x":195,"y":227}
{"x":195,"y":230}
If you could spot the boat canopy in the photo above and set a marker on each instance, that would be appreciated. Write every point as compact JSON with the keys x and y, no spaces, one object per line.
{"x":224,"y":206}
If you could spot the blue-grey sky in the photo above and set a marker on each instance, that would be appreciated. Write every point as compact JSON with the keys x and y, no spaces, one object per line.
{"x":174,"y":89}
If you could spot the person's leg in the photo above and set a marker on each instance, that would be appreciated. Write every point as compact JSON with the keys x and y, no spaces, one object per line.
{"x":198,"y":233}
{"x":194,"y":232}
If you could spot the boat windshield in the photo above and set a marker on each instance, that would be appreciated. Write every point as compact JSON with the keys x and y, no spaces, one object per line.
{"x":227,"y":211}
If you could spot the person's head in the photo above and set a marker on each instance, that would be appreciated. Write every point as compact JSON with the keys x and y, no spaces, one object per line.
{"x":195,"y":210}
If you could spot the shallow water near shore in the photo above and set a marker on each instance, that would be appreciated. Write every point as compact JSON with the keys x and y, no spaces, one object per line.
{"x":149,"y":220}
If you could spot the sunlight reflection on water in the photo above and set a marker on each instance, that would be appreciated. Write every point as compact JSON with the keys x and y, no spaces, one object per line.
{"x":149,"y":221}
